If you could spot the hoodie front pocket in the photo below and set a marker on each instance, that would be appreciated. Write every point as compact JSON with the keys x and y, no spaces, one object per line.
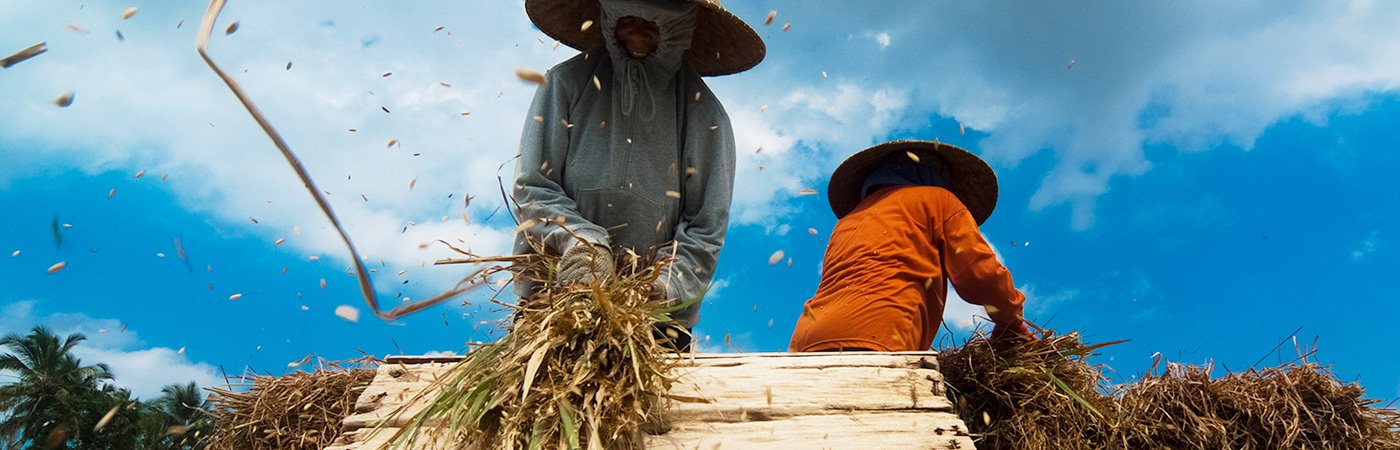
{"x":632,"y":220}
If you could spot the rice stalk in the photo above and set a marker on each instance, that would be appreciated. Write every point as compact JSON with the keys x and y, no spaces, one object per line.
{"x":581,"y":368}
{"x":1039,"y":394}
{"x":1043,"y":394}
{"x":1297,"y":405}
{"x":301,"y":410}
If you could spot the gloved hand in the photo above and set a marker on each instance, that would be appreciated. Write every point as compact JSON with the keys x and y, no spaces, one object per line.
{"x":586,"y":264}
{"x":658,"y":289}
{"x":658,"y":286}
{"x":1011,"y":333}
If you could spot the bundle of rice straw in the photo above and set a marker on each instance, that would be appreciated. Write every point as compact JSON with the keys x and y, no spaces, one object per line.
{"x":580,"y":368}
{"x":1044,"y":395}
{"x":1295,"y":406}
{"x":301,"y":410}
{"x":1033,"y":395}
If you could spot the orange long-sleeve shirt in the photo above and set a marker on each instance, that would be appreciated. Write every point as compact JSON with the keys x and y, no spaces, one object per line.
{"x":885,"y":274}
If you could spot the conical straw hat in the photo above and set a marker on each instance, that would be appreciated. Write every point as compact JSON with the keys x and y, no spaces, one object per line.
{"x":723,"y":44}
{"x":970,"y":178}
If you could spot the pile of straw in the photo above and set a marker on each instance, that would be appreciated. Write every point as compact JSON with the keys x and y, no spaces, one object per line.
{"x":1044,"y":395}
{"x":580,"y":368}
{"x":1035,"y":395}
{"x":301,"y":410}
{"x":1300,"y":405}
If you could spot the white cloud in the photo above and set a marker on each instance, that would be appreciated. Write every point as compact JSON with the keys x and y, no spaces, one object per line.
{"x":149,"y":103}
{"x":803,"y":135}
{"x":963,"y":316}
{"x":881,"y":38}
{"x":717,"y":287}
{"x":959,"y":314}
{"x":144,"y":370}
{"x":1190,"y":75}
{"x":1038,"y":301}
{"x":1367,"y":246}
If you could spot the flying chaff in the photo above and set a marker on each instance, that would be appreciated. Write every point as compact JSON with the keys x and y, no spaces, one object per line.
{"x":472,"y":281}
{"x":20,"y":56}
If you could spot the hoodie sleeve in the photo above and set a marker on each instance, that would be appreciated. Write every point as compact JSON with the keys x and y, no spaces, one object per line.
{"x":973,"y":269}
{"x":538,"y":189}
{"x":708,"y":183}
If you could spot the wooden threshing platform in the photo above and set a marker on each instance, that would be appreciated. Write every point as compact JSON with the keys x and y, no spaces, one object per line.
{"x":862,"y":400}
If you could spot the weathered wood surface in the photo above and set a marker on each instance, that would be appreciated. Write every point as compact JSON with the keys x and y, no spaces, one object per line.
{"x":859,"y":400}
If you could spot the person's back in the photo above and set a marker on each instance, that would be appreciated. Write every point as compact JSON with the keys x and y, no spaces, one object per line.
{"x":886,"y":270}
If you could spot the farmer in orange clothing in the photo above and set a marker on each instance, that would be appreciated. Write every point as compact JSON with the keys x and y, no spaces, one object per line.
{"x":909,"y":212}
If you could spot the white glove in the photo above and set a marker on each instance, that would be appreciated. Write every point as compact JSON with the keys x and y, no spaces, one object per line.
{"x":586,"y":264}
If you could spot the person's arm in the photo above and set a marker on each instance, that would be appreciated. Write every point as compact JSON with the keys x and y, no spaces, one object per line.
{"x":538,"y":188}
{"x":979,"y":278}
{"x":708,"y":181}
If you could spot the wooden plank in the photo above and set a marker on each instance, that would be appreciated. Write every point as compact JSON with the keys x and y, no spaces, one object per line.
{"x":730,"y":391}
{"x":924,"y":360}
{"x":396,"y":416}
{"x":769,"y":400}
{"x":418,"y":359}
{"x":394,"y":384}
{"x":729,"y":394}
{"x":724,"y":392}
{"x":786,"y":355}
{"x":917,"y":360}
{"x":759,"y":384}
{"x":870,"y":430}
{"x":378,"y":395}
{"x":412,"y":372}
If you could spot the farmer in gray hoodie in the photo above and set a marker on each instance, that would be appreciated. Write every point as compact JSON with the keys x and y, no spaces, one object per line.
{"x":626,"y":148}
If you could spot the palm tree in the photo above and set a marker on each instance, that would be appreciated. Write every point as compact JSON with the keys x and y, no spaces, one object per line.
{"x":185,"y":410}
{"x":120,"y":431}
{"x":184,"y":403}
{"x":49,"y":382}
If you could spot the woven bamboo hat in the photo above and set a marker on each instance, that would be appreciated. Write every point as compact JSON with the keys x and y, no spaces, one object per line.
{"x":970,"y":178}
{"x":723,"y":44}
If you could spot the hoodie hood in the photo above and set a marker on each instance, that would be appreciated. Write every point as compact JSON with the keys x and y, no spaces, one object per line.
{"x":642,"y":80}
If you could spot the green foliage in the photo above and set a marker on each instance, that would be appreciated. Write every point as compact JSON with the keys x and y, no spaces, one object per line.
{"x":51,"y":388}
{"x":57,"y":402}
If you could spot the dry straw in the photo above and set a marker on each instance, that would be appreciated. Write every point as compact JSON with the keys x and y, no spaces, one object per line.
{"x":20,"y":56}
{"x":580,"y":368}
{"x":301,"y":410}
{"x":1044,"y":395}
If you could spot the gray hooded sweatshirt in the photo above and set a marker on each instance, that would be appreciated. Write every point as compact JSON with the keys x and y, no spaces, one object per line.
{"x":641,"y":160}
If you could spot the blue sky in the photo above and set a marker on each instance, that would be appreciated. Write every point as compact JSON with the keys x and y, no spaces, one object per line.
{"x":1200,"y":179}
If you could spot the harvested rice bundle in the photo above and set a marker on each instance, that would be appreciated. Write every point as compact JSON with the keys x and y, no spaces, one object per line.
{"x":1294,"y":406}
{"x":1043,"y":395}
{"x":1031,"y":395}
{"x":301,"y":410}
{"x":580,"y":368}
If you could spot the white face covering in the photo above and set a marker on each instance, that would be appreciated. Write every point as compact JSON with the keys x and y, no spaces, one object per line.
{"x":645,"y":78}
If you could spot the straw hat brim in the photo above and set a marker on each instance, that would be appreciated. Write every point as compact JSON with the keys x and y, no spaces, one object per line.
{"x":970,"y":178}
{"x":723,"y":43}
